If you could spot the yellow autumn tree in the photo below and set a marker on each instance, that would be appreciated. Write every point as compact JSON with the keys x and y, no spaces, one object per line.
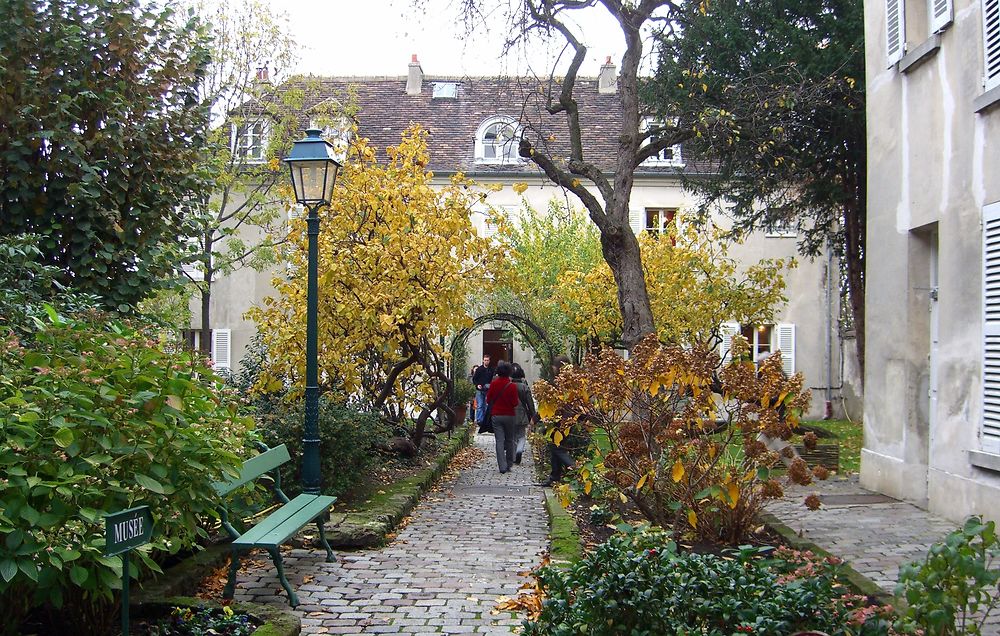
{"x":398,"y":258}
{"x":694,"y":286}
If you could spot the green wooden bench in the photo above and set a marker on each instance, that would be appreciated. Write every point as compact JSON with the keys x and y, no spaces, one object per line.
{"x":279,"y":526}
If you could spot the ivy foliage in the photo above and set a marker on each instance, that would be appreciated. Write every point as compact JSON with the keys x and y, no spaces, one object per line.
{"x":101,"y":126}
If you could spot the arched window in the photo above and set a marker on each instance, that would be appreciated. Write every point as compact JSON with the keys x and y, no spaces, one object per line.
{"x":497,"y":140}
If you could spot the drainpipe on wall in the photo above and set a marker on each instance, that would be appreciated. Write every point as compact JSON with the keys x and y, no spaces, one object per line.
{"x":828,"y":411}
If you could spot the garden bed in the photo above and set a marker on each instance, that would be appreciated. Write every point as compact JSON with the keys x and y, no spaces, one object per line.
{"x":185,"y":616}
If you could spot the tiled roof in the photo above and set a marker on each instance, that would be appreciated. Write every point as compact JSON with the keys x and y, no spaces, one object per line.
{"x":386,"y":110}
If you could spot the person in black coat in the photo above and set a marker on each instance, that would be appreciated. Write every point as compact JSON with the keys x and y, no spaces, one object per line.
{"x":481,"y":378}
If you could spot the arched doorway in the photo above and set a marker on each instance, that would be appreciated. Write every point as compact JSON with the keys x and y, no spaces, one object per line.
{"x":530,"y":333}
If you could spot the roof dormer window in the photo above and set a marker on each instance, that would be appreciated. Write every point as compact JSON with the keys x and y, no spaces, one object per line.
{"x":669,"y":156}
{"x":248,"y":141}
{"x":497,"y":141}
{"x":445,"y":90}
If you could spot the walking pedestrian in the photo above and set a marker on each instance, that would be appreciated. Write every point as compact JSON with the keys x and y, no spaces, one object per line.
{"x":503,"y":400}
{"x":525,"y":412}
{"x":481,"y":378}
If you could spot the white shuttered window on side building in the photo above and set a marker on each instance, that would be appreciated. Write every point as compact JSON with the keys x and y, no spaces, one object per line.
{"x":222,"y":349}
{"x":895,"y":31}
{"x":991,"y":43}
{"x":941,"y":14}
{"x":990,"y":429}
{"x":786,"y":343}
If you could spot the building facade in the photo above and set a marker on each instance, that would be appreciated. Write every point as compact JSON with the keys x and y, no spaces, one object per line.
{"x":932,"y":380}
{"x":474,"y":124}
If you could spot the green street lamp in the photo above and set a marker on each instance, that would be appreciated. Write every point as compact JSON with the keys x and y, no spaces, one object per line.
{"x":314,"y":171}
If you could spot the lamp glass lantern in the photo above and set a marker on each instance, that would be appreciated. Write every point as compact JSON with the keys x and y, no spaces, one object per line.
{"x":314,"y":169}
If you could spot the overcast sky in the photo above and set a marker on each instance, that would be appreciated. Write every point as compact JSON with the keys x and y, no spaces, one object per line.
{"x":377,"y":37}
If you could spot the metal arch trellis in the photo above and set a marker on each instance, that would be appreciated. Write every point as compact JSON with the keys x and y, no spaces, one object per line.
{"x":544,"y":349}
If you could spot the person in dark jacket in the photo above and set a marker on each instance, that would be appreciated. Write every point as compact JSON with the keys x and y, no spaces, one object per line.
{"x":525,"y":411}
{"x":481,"y":378}
{"x":502,"y":396}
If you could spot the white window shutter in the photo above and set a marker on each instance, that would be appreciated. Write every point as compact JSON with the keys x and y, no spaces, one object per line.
{"x":727,"y":330}
{"x":991,"y":43}
{"x":221,"y":349}
{"x":941,"y":14}
{"x":637,"y":220}
{"x":991,"y":329}
{"x":786,"y":343}
{"x":895,"y":31}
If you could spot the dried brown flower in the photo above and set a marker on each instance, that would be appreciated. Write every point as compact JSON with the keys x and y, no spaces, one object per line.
{"x":820,"y":472}
{"x":813,"y":502}
{"x":799,"y":473}
{"x":771,"y":489}
{"x":810,"y":440}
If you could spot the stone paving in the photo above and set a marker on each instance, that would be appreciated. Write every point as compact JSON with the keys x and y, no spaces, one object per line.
{"x":463,"y":548}
{"x":874,"y":538}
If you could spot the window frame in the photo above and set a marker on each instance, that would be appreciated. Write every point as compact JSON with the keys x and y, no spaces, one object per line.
{"x":666,"y":216}
{"x":676,"y":159}
{"x":241,"y":140}
{"x":507,"y":158}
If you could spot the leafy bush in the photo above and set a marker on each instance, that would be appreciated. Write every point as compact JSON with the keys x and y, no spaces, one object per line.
{"x":639,"y":584}
{"x":677,"y":438}
{"x":95,"y":418}
{"x":350,"y":442}
{"x":463,"y":392}
{"x":27,"y":284}
{"x":956,"y":586}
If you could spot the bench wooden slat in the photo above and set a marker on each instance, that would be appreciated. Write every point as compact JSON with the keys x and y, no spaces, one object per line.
{"x":283,"y":523}
{"x":254,"y":468}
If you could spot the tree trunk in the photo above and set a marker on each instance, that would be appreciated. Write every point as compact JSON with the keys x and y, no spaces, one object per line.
{"x":621,"y":251}
{"x":205,"y":344}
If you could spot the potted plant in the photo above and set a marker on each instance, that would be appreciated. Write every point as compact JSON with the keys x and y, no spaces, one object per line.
{"x":461,"y":395}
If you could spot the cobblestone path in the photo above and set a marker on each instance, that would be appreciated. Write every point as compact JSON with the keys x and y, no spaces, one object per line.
{"x":874,"y":538}
{"x":464,"y":546}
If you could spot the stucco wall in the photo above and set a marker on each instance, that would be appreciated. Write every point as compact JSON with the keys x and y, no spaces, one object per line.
{"x":931,"y":171}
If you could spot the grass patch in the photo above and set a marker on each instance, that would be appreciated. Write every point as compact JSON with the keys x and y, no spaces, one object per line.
{"x":564,"y":533}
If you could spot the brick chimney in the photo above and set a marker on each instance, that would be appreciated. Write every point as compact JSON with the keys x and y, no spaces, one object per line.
{"x":607,"y":80}
{"x":263,"y":75}
{"x":415,"y":79}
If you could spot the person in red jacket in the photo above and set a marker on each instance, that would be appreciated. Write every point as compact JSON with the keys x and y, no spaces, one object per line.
{"x":502,"y":397}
